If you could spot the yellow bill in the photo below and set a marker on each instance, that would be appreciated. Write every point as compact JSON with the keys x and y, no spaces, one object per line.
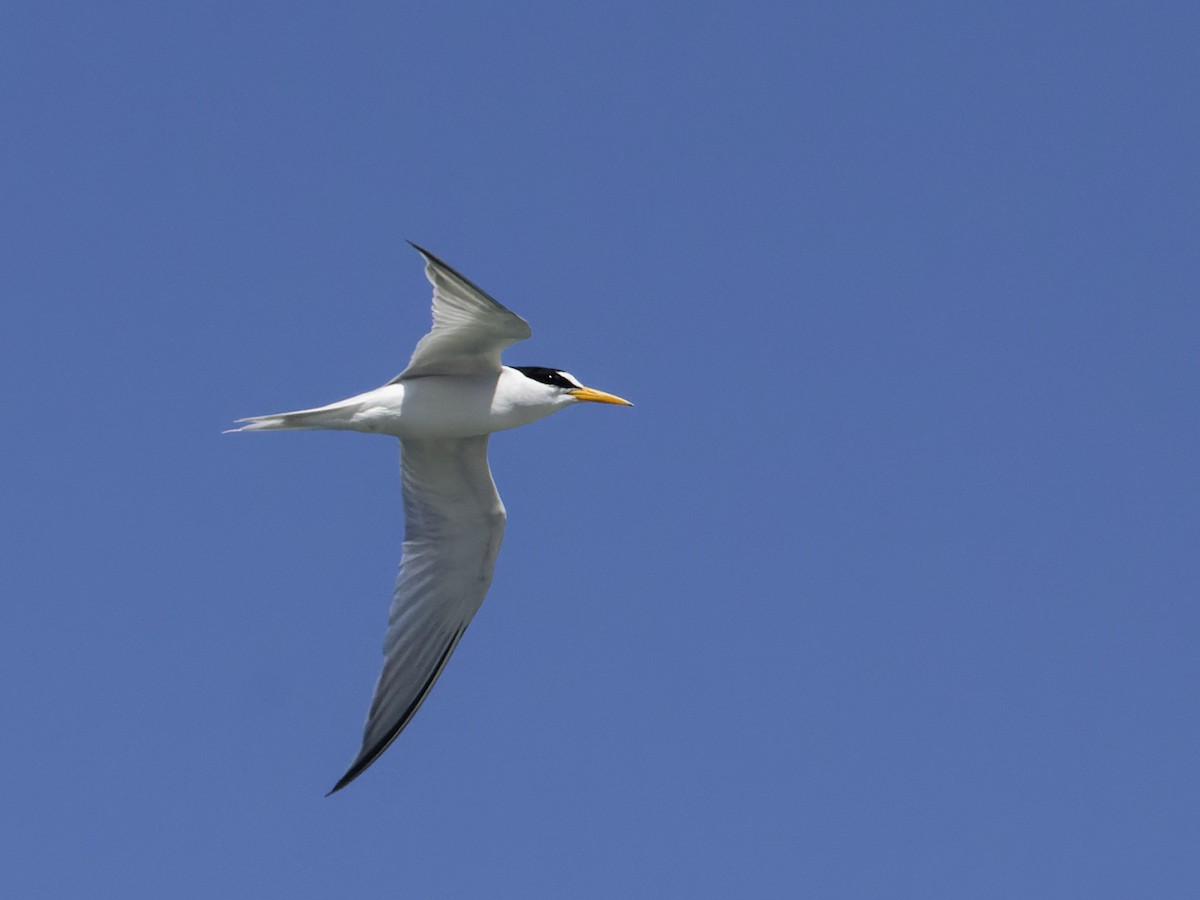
{"x":587,"y":393}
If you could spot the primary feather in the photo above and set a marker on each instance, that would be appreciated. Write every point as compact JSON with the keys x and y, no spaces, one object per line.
{"x":469,"y":327}
{"x":453,"y":525}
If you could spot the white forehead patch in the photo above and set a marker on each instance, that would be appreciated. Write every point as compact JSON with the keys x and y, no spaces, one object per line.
{"x":571,"y":378}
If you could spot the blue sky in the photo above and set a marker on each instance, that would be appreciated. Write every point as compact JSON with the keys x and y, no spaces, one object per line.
{"x":886,"y":588}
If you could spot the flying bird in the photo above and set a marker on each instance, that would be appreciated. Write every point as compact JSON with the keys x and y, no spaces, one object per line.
{"x":454,"y":393}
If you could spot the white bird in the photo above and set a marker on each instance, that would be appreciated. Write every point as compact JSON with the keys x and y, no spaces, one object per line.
{"x":442,"y":407}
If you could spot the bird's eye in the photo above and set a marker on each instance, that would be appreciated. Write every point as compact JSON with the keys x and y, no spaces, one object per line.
{"x":547,"y":376}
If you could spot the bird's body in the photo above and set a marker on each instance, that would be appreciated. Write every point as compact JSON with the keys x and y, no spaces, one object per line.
{"x":442,"y":407}
{"x":430,"y":406}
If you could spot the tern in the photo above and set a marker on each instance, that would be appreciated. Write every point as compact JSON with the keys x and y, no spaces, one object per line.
{"x":454,"y":393}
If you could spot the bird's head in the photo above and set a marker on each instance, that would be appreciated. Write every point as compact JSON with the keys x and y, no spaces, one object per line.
{"x":564,"y":387}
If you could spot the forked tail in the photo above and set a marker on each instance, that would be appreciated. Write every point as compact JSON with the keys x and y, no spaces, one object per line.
{"x":336,"y":415}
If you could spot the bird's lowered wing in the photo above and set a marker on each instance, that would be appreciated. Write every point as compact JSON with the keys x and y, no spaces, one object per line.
{"x":469,"y":327}
{"x":454,"y":522}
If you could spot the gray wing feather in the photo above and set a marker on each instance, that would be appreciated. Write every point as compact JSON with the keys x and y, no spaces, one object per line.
{"x":454,"y":522}
{"x":470,"y":328}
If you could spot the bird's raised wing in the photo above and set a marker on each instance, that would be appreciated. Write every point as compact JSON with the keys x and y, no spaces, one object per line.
{"x":469,"y":327}
{"x":453,"y":525}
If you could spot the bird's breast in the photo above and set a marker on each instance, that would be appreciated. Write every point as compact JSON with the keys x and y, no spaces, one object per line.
{"x":441,"y":406}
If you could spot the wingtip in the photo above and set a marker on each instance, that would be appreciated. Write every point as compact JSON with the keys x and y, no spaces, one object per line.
{"x":343,"y":781}
{"x":431,"y":260}
{"x":360,"y":766}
